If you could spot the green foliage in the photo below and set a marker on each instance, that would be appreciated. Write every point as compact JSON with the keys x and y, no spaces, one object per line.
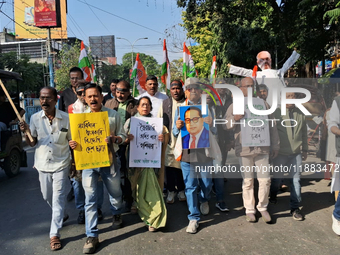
{"x":333,"y":15}
{"x":235,"y":31}
{"x":176,"y":68}
{"x":66,"y":59}
{"x":110,"y":72}
{"x":32,"y":73}
{"x":149,"y":62}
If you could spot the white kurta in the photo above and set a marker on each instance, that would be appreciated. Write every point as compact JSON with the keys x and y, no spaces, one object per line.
{"x":270,"y":77}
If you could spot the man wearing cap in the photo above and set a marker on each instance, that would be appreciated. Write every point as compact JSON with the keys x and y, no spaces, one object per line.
{"x":152,"y":92}
{"x":126,"y":106}
{"x":191,"y":159}
{"x":174,"y":176}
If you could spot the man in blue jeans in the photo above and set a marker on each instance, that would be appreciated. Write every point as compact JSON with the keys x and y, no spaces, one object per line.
{"x":293,"y":149}
{"x":191,"y":160}
{"x":110,"y":175}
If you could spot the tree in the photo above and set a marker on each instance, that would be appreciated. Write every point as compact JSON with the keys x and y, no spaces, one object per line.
{"x":333,"y":14}
{"x":110,"y":72}
{"x":149,"y":62}
{"x":31,"y":73}
{"x":176,"y":69}
{"x":67,"y":58}
{"x":240,"y":29}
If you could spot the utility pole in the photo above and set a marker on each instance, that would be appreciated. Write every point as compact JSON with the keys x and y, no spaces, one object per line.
{"x":50,"y":57}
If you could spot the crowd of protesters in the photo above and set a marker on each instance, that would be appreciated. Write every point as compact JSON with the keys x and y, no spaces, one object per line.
{"x":128,"y":186}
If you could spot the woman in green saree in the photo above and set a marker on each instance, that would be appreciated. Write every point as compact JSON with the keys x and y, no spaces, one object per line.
{"x":145,"y":182}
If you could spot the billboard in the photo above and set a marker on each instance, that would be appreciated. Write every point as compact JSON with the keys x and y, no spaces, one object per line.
{"x":24,"y":15}
{"x":47,"y":13}
{"x":103,"y":46}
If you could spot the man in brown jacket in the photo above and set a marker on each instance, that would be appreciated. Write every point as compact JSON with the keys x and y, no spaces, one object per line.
{"x":253,"y":159}
{"x":126,"y":106}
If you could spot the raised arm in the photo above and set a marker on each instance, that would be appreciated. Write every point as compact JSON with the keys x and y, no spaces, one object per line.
{"x":240,"y":71}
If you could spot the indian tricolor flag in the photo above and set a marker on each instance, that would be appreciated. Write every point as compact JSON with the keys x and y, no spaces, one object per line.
{"x":213,"y":71}
{"x":139,"y":76}
{"x":188,"y":63}
{"x":165,"y":67}
{"x":84,"y":64}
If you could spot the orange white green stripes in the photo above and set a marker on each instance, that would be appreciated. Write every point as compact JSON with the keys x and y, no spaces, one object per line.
{"x":213,"y":71}
{"x":188,"y":63}
{"x":84,"y":64}
{"x":165,"y":75}
{"x":139,"y":75}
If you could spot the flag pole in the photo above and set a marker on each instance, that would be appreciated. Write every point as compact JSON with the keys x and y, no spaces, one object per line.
{"x":14,"y":108}
{"x":134,"y":87}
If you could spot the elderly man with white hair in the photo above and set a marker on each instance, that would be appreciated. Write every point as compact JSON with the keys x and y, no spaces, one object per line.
{"x":271,"y":77}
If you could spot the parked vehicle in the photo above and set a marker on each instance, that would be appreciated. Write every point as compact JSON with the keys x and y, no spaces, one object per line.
{"x":12,"y":155}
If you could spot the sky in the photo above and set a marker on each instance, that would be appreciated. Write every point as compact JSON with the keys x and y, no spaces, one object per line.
{"x":130,"y":19}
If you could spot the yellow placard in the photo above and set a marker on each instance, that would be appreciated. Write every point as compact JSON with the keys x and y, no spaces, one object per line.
{"x":25,"y":27}
{"x":89,"y":130}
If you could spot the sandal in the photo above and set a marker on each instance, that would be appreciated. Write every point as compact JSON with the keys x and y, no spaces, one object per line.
{"x":55,"y":243}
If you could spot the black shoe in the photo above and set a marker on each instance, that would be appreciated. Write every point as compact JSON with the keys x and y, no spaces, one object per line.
{"x":100,"y":215}
{"x":117,"y":221}
{"x":297,"y":215}
{"x":91,"y":245}
{"x":65,"y":218}
{"x":81,"y":217}
{"x":222,"y":207}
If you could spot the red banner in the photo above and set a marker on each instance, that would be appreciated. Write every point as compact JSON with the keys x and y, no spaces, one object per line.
{"x":45,"y":13}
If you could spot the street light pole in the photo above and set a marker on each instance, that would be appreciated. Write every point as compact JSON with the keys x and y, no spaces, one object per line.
{"x":132,"y":44}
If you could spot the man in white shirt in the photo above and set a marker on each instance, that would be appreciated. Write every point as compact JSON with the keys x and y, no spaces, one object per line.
{"x":271,"y":77}
{"x":51,"y":133}
{"x":152,"y":92}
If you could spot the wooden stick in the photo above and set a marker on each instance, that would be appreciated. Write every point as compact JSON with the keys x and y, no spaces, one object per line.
{"x":15,"y":109}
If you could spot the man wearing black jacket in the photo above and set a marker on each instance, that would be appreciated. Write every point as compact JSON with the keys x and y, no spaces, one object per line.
{"x":69,"y":95}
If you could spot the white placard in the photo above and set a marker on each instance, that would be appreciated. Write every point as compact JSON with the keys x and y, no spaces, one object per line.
{"x":145,"y":149}
{"x":255,"y":131}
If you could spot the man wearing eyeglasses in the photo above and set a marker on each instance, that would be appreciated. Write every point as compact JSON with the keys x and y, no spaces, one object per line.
{"x":271,"y":77}
{"x":198,"y":136}
{"x":51,"y":133}
{"x":69,"y":95}
{"x":198,"y":202}
{"x":253,"y":158}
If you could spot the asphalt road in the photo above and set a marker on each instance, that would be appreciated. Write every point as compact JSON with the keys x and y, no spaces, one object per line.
{"x":25,"y":220}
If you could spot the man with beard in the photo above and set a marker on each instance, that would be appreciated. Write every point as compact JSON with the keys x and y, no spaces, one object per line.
{"x":126,"y":106}
{"x":110,"y":175}
{"x":112,"y":93}
{"x":173,"y":172}
{"x":51,"y":133}
{"x":273,"y":78}
{"x":152,"y":92}
{"x":262,"y":92}
{"x":69,"y":95}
